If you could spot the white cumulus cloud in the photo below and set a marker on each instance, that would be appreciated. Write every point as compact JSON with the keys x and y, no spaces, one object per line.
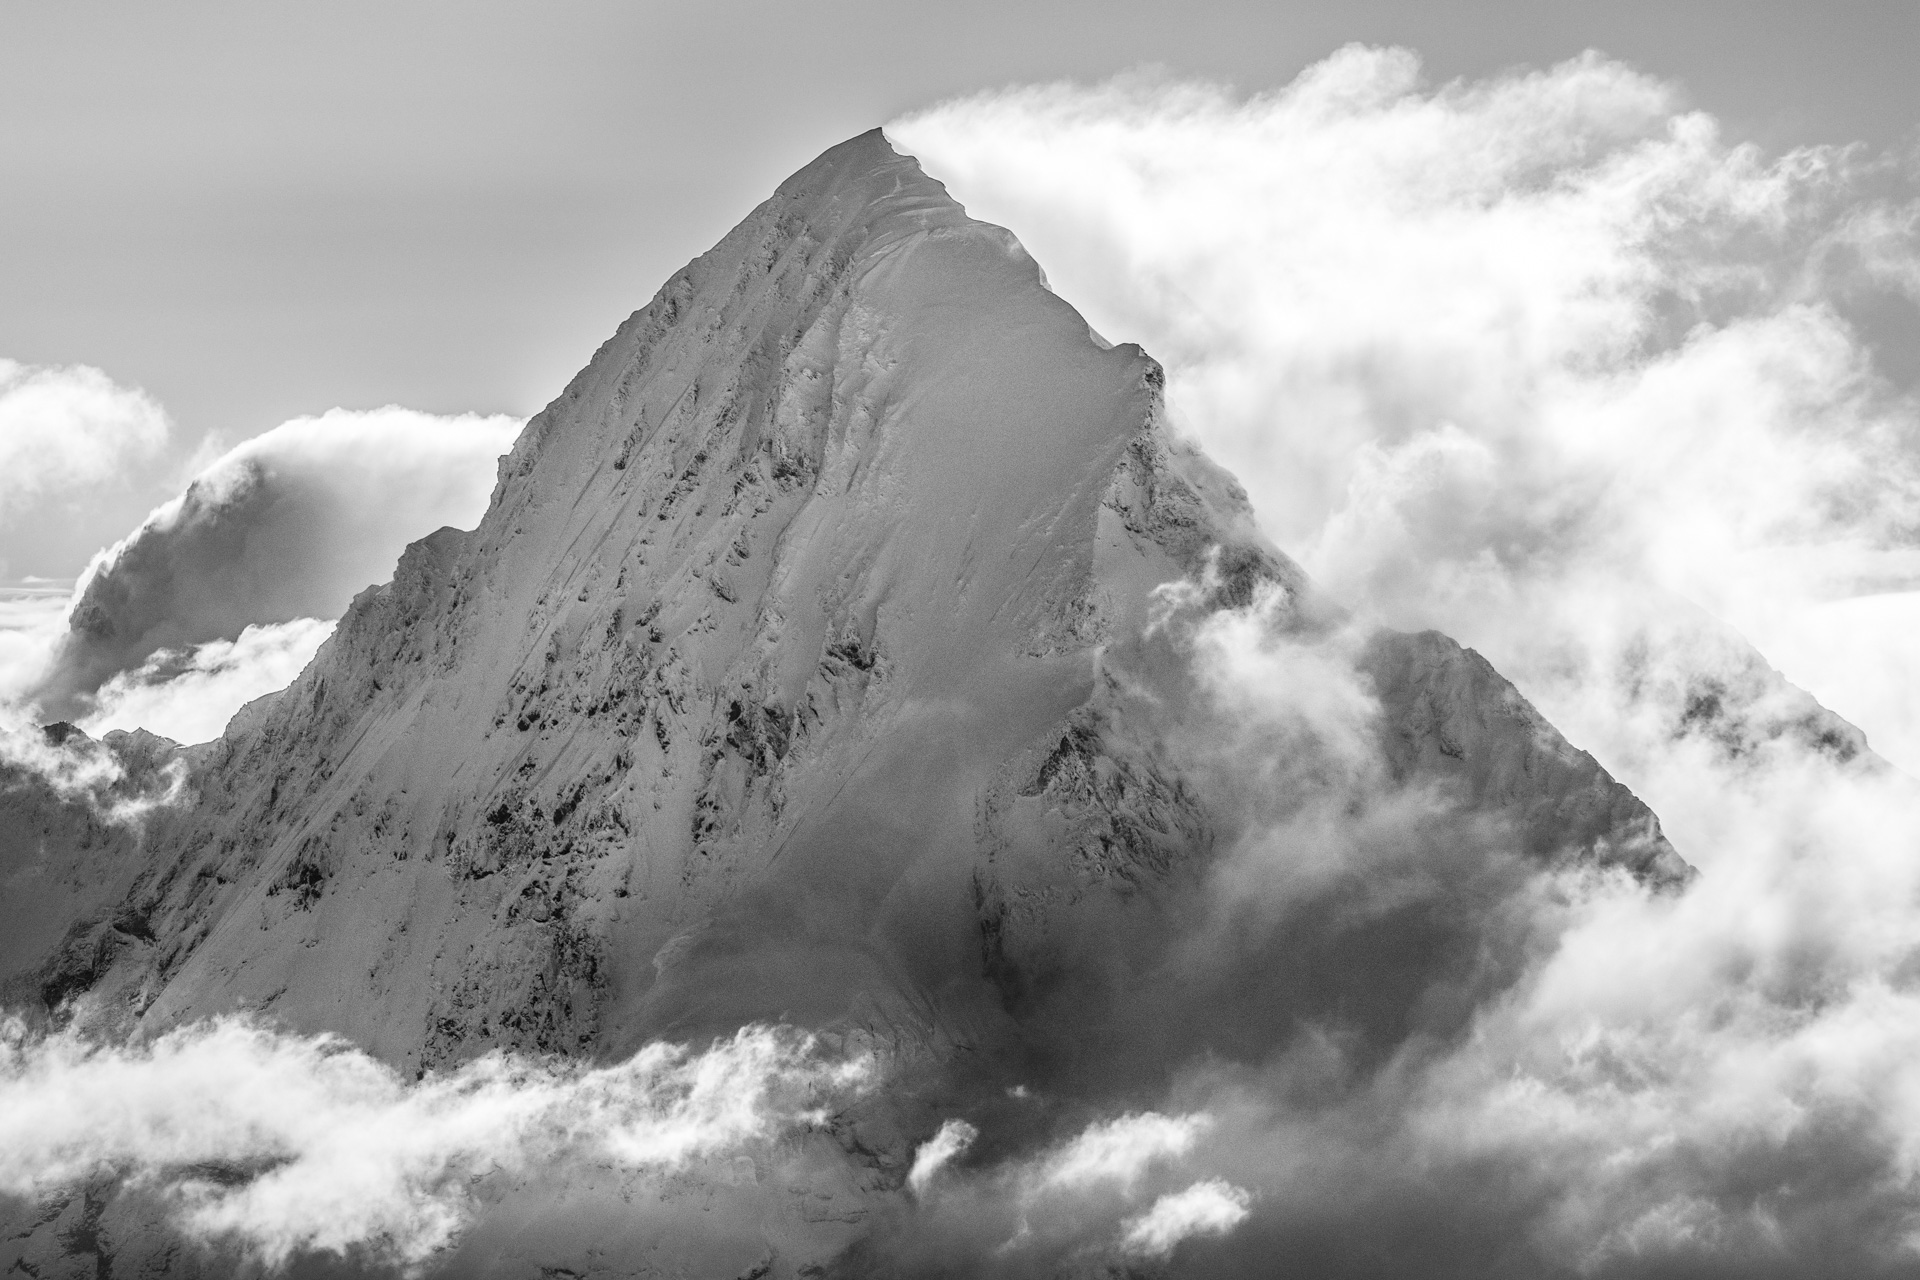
{"x":65,"y":427}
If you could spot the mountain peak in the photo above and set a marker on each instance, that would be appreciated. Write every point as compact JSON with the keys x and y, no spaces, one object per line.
{"x":851,"y":519}
{"x":826,"y":533}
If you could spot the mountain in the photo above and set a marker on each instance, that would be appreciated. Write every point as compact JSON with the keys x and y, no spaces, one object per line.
{"x":850,"y":645}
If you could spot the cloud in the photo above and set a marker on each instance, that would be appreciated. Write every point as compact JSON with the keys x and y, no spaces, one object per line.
{"x":933,"y":1155}
{"x":65,"y":428}
{"x":1210,"y":1208}
{"x":287,"y":1145}
{"x":1626,"y":1082}
{"x":189,"y":695}
{"x":1118,"y":1152}
{"x":1528,"y":360}
{"x":32,"y":619}
{"x":1853,"y":653}
{"x":288,"y":525}
{"x":1070,"y":1205}
{"x":1291,"y":694}
{"x":1732,"y":1071}
{"x":1550,"y":364}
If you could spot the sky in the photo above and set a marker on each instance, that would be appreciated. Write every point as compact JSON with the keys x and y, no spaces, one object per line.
{"x":258,"y":212}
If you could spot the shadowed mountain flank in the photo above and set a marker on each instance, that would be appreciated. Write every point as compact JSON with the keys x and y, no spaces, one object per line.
{"x":852,"y":645}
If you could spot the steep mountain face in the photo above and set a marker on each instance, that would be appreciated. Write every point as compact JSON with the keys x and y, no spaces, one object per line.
{"x":835,"y":651}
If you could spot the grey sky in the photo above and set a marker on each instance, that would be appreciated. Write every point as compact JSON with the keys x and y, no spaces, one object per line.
{"x":258,"y":210}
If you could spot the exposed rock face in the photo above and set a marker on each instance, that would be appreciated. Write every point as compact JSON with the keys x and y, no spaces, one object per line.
{"x":815,"y":661}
